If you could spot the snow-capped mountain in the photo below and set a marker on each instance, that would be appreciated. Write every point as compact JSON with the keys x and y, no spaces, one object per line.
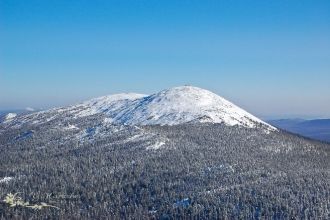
{"x":99,"y":151}
{"x":173,"y":106}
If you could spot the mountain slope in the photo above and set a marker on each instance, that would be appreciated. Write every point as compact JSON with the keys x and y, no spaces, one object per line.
{"x":93,"y":169}
{"x":105,"y":159}
{"x":169,"y":107}
{"x":185,"y":104}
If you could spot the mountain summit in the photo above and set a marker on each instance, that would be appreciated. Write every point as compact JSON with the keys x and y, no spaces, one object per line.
{"x":178,"y":105}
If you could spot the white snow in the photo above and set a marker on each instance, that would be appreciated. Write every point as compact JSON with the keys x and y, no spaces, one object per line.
{"x":184,"y":104}
{"x":6,"y":179}
{"x":169,"y":107}
{"x":136,"y":137}
{"x":10,"y":116}
{"x":156,"y":146}
{"x":71,"y":127}
{"x":107,"y":104}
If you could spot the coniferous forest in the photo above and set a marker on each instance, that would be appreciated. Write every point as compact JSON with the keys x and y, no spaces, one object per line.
{"x":189,"y":171}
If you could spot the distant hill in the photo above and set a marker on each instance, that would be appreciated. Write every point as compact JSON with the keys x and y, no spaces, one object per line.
{"x":318,"y":129}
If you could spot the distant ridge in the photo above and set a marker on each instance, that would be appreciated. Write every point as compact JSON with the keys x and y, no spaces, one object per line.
{"x":318,"y":129}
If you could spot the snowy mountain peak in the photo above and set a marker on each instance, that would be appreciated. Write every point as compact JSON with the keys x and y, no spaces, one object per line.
{"x":185,"y":104}
{"x":178,"y":105}
{"x":189,"y":98}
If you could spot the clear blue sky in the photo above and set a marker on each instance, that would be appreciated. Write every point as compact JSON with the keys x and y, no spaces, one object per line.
{"x":269,"y":57}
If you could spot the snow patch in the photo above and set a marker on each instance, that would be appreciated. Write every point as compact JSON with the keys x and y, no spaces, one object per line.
{"x":136,"y":137}
{"x":10,"y":116}
{"x":107,"y":121}
{"x":156,"y":146}
{"x":71,"y":127}
{"x":6,"y":179}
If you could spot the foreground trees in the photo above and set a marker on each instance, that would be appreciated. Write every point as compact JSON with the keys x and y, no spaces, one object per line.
{"x":202,"y":172}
